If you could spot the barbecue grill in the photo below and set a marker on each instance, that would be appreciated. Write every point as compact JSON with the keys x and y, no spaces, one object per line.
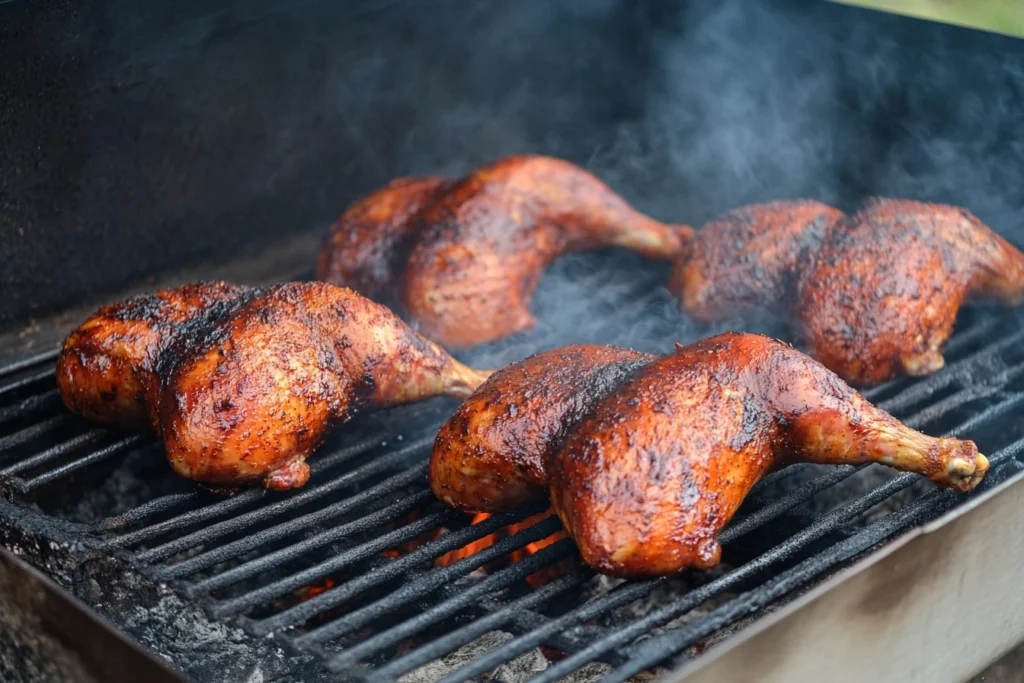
{"x":339,"y":580}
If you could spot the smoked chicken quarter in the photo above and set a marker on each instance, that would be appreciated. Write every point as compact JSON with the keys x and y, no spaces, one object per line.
{"x":646,"y":459}
{"x":873,"y":295}
{"x":460,"y":259}
{"x":243,"y":383}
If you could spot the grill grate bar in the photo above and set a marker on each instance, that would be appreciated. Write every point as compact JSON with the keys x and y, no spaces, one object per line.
{"x":268,"y":512}
{"x":329,"y":460}
{"x":29,"y":405}
{"x":510,"y":650}
{"x":165,"y":503}
{"x":250,"y":495}
{"x":778,"y":506}
{"x":822,"y":526}
{"x":29,"y":361}
{"x":28,"y":433}
{"x":304,"y":611}
{"x":185,"y":519}
{"x":937,"y":410}
{"x":493,"y":619}
{"x":338,"y":533}
{"x":974,"y":333}
{"x":775,"y":477}
{"x":955,"y":345}
{"x":657,"y":649}
{"x":153,"y":507}
{"x":27,"y":381}
{"x":957,"y":400}
{"x":996,"y":410}
{"x":429,"y":581}
{"x":93,"y":457}
{"x":568,"y":641}
{"x":444,"y":610}
{"x":336,"y":563}
{"x":84,"y":439}
{"x":953,"y":373}
{"x":251,"y":542}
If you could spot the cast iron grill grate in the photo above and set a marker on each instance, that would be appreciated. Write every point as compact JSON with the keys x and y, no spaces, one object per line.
{"x":345,"y":567}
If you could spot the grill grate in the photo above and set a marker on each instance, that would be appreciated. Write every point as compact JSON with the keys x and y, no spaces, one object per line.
{"x":385,"y":613}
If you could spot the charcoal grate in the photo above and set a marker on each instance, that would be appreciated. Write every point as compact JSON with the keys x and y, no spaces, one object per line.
{"x":364,"y":532}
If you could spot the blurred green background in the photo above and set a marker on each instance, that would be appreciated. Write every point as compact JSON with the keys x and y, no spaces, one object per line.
{"x":1001,"y":16}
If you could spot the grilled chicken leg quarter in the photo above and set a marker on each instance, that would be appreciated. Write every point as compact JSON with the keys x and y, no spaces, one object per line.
{"x":873,"y":295}
{"x":461,"y":258}
{"x":243,"y":383}
{"x":646,"y":466}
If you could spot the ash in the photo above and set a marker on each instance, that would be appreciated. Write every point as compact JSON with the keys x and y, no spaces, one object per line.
{"x":659,"y":597}
{"x":141,"y":476}
{"x":182,"y":634}
{"x":529,"y":664}
{"x":523,"y":668}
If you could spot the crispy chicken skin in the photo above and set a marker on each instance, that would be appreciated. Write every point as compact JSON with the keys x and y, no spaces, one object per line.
{"x":367,"y":247}
{"x":872,"y":295}
{"x":462,"y":258}
{"x":243,"y":383}
{"x":107,"y":368}
{"x":744,"y":259}
{"x":882,"y":295}
{"x":489,"y":456}
{"x":654,"y":470}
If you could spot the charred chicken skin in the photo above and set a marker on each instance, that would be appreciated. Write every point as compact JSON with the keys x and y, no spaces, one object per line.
{"x":243,"y":383}
{"x":462,"y":258}
{"x":873,"y":295}
{"x":645,"y":473}
{"x":490,"y":455}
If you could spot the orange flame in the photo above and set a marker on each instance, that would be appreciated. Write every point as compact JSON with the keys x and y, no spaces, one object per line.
{"x":453,"y":556}
{"x":538,"y":578}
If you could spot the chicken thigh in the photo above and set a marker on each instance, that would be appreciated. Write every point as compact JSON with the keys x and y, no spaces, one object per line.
{"x":243,"y":383}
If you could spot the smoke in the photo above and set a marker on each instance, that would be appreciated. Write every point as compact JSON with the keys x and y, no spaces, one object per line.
{"x":197,"y":130}
{"x":748,"y":102}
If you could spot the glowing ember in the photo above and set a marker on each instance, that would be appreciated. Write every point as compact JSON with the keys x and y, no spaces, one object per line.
{"x":547,"y":574}
{"x":538,"y":578}
{"x":310,"y":592}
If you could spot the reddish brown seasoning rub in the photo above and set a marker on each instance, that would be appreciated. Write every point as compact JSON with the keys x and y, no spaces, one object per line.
{"x":883,"y":293}
{"x":243,"y":383}
{"x":649,"y":474}
{"x":489,"y":456}
{"x":461,"y":258}
{"x":744,"y":260}
{"x":873,"y":295}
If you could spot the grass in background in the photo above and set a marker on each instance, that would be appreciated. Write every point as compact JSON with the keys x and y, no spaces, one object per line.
{"x":1000,"y":16}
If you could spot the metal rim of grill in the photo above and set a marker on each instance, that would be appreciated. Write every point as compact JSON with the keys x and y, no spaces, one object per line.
{"x":242,"y":556}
